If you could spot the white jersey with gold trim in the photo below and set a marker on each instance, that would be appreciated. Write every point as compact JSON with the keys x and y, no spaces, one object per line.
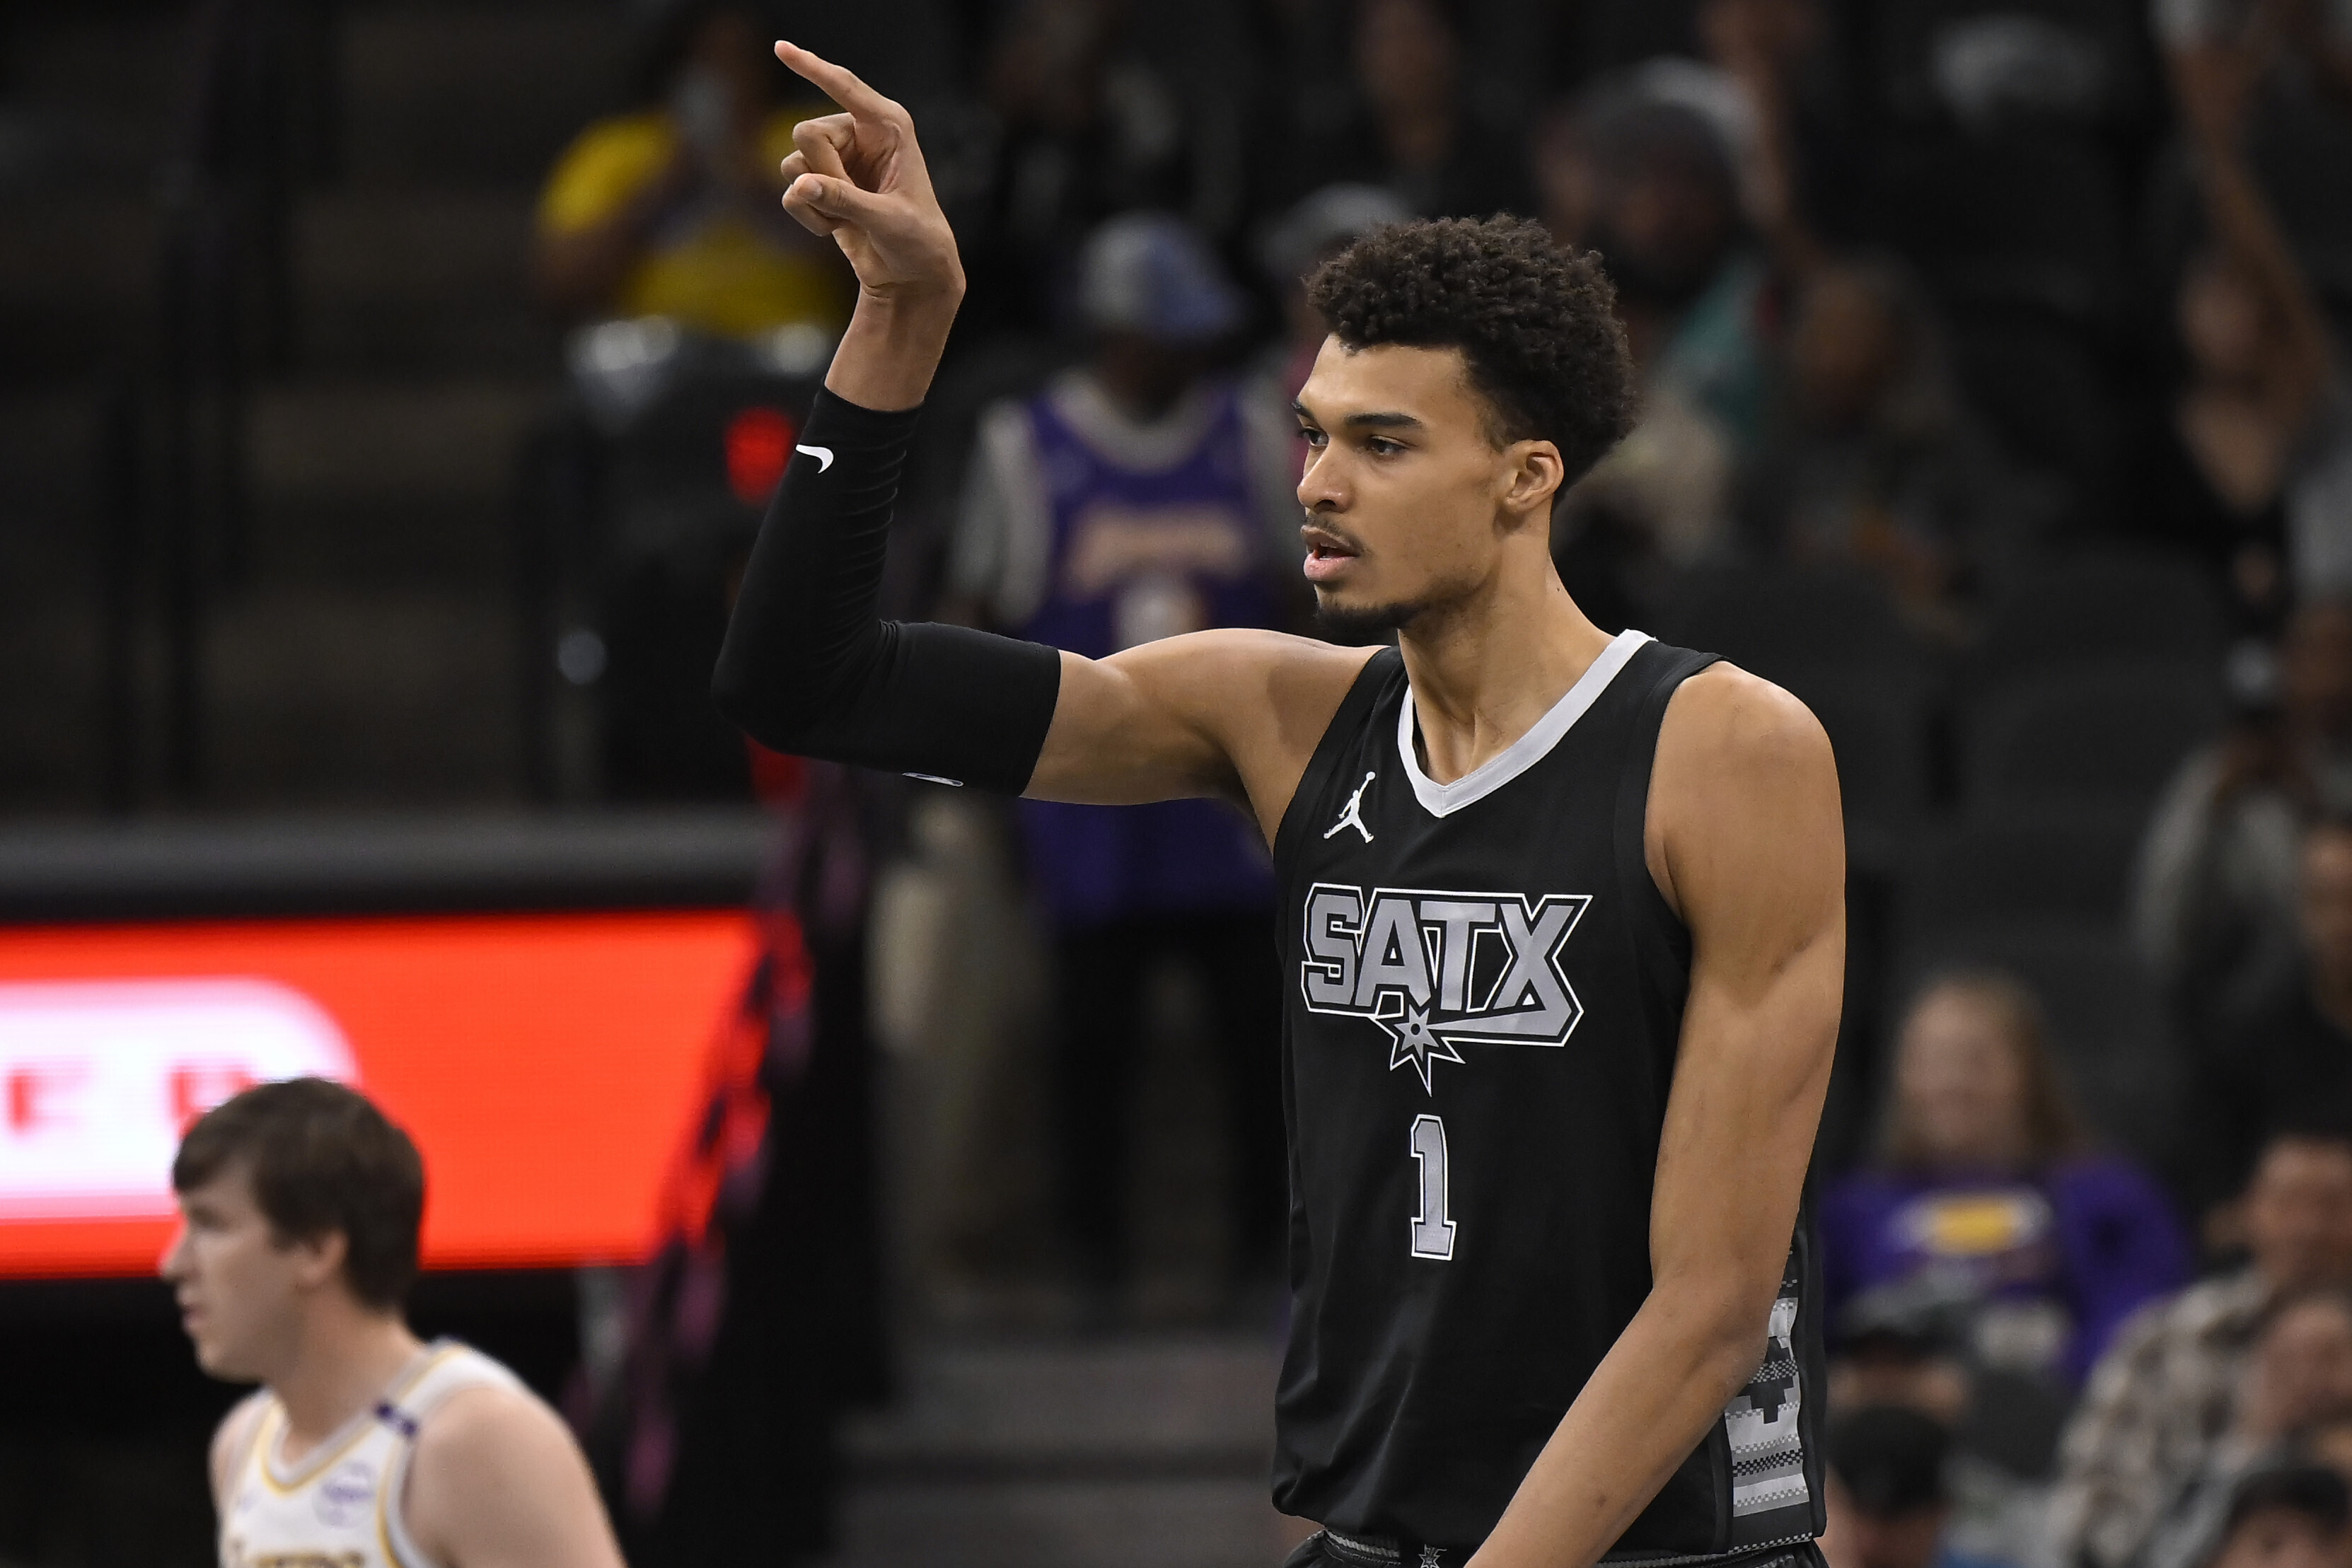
{"x":339,"y":1505}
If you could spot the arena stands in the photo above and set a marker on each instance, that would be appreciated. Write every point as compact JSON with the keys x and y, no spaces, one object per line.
{"x":1995,"y":405}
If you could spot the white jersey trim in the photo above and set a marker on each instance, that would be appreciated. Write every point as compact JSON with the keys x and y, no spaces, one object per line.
{"x":285,"y":1478}
{"x":273,"y":1512}
{"x":1444,"y":800}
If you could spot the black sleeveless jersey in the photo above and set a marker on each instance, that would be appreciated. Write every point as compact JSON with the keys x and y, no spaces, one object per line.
{"x":1485,"y":994}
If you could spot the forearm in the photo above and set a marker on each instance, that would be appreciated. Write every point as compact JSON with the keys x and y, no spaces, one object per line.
{"x":2213,"y":83}
{"x":809,"y":667}
{"x":1647,"y":1405}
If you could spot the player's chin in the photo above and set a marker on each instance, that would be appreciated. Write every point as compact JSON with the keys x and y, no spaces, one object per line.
{"x":217,"y":1358}
{"x":1356,"y":617}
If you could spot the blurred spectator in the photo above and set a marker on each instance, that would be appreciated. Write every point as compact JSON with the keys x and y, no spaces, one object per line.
{"x":2285,"y":1064}
{"x":1085,"y":127}
{"x":2328,"y":1441}
{"x":2215,"y":894}
{"x":2164,"y":1391}
{"x":1412,"y":128}
{"x":674,"y":210}
{"x":1643,"y":170}
{"x":2298,"y":1379}
{"x":2253,"y":466}
{"x":1135,"y":498}
{"x":1318,"y":227}
{"x":1665,"y":215}
{"x":1802,"y":171}
{"x":2293,"y":1516}
{"x":1873,"y":460}
{"x":1889,"y":1504}
{"x":2292,"y":57}
{"x":1984,"y":1189}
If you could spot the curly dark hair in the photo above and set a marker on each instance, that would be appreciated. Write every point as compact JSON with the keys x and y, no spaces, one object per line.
{"x":1536,"y":324}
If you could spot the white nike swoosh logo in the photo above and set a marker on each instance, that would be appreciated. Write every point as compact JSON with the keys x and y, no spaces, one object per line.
{"x":823,"y":456}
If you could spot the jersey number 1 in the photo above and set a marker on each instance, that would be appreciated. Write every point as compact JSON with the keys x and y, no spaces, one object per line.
{"x":1433,"y":1227}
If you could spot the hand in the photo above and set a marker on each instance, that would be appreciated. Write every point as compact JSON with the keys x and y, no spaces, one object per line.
{"x":859,"y":177}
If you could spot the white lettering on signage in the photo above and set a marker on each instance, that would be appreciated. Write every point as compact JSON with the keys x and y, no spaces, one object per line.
{"x":98,"y":1079}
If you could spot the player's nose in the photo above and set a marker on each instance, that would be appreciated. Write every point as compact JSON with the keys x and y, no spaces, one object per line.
{"x":1321,"y":487}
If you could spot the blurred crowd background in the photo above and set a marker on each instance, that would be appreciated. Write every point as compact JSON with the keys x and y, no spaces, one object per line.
{"x":389,"y":390}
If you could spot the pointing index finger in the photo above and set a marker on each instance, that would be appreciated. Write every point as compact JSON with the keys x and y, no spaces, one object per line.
{"x":840,"y":83}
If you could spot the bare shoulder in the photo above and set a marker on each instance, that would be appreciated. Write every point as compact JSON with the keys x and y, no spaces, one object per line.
{"x":1744,"y":779}
{"x":1728,"y":731}
{"x":498,"y":1478}
{"x":484,"y":1415}
{"x":1268,"y":697}
{"x":232,"y":1437}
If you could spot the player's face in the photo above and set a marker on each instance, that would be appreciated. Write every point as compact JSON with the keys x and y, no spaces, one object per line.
{"x":1407,"y":499}
{"x":239,"y":1286}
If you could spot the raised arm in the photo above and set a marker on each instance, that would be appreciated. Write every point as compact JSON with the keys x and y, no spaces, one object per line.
{"x":810,"y":667}
{"x":1746,"y":842}
{"x":2214,"y":83}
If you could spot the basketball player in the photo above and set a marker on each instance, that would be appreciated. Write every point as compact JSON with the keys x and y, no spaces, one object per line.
{"x":364,"y":1447}
{"x":1563,"y":912}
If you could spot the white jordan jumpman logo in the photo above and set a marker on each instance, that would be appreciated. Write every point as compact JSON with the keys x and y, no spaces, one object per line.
{"x":1353,"y":817}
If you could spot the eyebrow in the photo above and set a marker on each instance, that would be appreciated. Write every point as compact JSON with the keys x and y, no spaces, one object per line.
{"x":1371,"y":420}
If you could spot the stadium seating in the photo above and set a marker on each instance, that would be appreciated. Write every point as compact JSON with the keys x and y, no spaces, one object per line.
{"x":2061,"y":862}
{"x":2028,"y":222}
{"x":1880,"y":735}
{"x":1835,"y":640}
{"x":1785,"y":622}
{"x":2101,"y":738}
{"x":2038,"y":388}
{"x":2106,"y":607}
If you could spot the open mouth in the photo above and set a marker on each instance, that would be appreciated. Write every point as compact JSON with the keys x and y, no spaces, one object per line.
{"x":1327,"y":553}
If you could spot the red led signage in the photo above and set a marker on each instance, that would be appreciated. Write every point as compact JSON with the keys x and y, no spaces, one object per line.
{"x":547,"y":1065}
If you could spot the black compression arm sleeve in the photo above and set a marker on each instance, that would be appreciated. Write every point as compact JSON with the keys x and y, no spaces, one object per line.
{"x":809,"y":668}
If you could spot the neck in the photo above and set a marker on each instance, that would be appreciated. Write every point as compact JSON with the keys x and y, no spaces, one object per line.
{"x":1144,"y":400}
{"x":1486,"y":668}
{"x":340,"y":1363}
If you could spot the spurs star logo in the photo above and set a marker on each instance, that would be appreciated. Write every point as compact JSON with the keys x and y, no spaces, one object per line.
{"x":1413,"y":1043}
{"x":1353,"y":817}
{"x":1436,"y":971}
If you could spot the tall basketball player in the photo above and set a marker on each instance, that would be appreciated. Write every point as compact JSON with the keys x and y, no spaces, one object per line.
{"x":1564,"y":915}
{"x":364,"y":1448}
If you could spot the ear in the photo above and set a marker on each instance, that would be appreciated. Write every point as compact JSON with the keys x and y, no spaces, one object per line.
{"x":319,"y":1260}
{"x":1532,"y":476}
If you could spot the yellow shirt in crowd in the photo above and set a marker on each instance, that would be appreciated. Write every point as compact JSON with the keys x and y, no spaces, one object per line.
{"x":720,"y":271}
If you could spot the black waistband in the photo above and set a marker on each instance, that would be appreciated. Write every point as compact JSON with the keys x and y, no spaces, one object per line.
{"x":1381,"y":1552}
{"x":1386,"y":1552}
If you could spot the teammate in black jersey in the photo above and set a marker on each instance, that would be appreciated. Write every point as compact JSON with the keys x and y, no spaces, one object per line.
{"x":1564,"y":914}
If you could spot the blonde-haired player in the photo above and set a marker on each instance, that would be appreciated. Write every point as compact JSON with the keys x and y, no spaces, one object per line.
{"x":364,"y":1448}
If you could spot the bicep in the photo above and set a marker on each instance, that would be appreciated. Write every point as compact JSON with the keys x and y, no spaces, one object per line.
{"x":1232,"y":713}
{"x":1756,"y":855}
{"x":1127,"y":730}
